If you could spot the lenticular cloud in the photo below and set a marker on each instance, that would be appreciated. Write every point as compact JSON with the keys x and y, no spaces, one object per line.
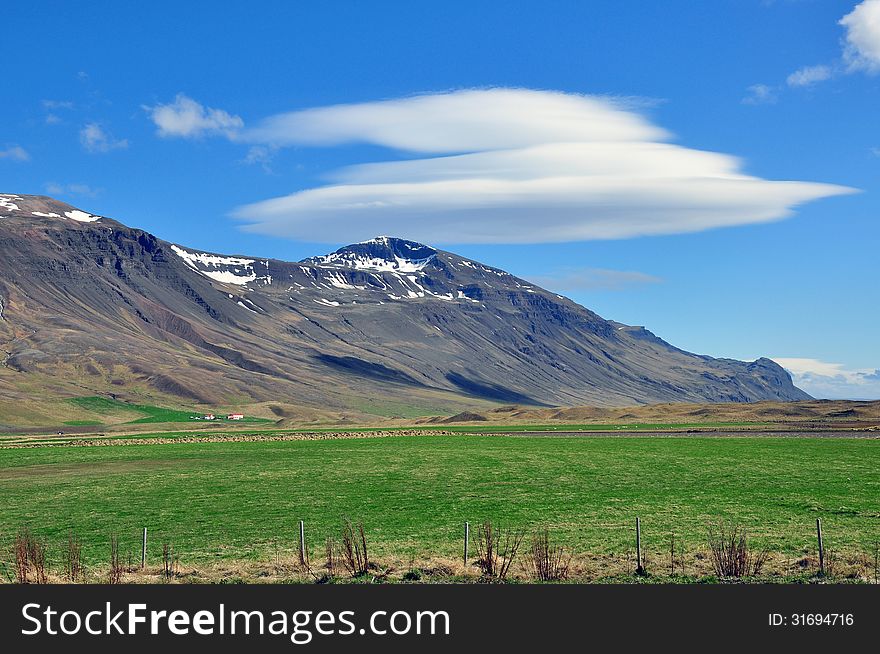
{"x":512,"y":166}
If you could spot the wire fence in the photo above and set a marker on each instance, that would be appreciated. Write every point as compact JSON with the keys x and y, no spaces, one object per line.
{"x":486,"y":551}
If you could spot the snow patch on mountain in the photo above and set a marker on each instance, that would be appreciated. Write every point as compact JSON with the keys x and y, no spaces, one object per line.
{"x":382,"y":254}
{"x":81,"y":216}
{"x":398,"y":264}
{"x":7,"y":202}
{"x":228,"y":270}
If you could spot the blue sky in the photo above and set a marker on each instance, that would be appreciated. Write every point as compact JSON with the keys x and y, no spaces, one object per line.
{"x":171,"y":118}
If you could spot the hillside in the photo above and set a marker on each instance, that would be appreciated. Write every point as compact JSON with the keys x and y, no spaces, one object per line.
{"x":89,"y":306}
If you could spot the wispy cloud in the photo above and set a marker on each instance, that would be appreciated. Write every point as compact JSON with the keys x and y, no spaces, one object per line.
{"x":95,"y":138}
{"x":53,"y":108}
{"x":833,"y":381}
{"x":809,"y":75}
{"x":57,"y":104}
{"x":862,"y":40}
{"x":186,"y":118}
{"x":592,"y":279}
{"x":15,"y":153}
{"x":56,"y":189}
{"x":512,"y":166}
{"x":260,"y":155}
{"x":760,"y":94}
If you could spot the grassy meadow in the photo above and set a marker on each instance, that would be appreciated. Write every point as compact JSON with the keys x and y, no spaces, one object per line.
{"x":106,"y":409}
{"x":241,"y":501}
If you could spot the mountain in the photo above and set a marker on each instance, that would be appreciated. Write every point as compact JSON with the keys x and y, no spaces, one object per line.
{"x":88,"y":305}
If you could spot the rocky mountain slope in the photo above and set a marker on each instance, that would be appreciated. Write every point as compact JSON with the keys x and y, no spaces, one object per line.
{"x":88,"y":305}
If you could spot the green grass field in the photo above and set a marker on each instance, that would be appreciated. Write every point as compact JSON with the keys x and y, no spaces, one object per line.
{"x":238,"y":501}
{"x":103,"y":406}
{"x":634,"y":426}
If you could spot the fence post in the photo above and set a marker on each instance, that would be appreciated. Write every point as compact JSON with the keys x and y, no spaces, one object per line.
{"x":144,"y":550}
{"x":821,"y":547}
{"x":467,"y":537}
{"x":302,"y":543}
{"x":640,"y":569}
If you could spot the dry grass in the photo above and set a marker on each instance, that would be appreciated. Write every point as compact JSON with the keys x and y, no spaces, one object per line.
{"x":850,"y":566}
{"x":876,"y":562}
{"x":837,"y":412}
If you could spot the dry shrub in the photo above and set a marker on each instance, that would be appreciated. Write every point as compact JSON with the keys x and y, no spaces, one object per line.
{"x":22,"y":565}
{"x":731,"y":554}
{"x":30,"y":558}
{"x":170,"y":562}
{"x":116,"y":567}
{"x":354,"y":549}
{"x":496,"y":549}
{"x":332,"y":557}
{"x":73,"y":559}
{"x":548,"y":562}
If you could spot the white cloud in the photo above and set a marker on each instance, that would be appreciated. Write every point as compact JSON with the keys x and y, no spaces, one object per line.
{"x":760,"y":94}
{"x":464,"y":121}
{"x":861,"y":47}
{"x":57,"y":104}
{"x":15,"y":153}
{"x":592,"y":279}
{"x":260,"y":155}
{"x":54,"y":188}
{"x":809,"y":75}
{"x":94,"y":138}
{"x":862,"y":41}
{"x":188,"y":119}
{"x":524,"y":167}
{"x":51,"y":106}
{"x":833,"y":381}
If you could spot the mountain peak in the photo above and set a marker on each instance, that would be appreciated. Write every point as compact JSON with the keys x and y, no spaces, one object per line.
{"x":41,"y":206}
{"x":380,"y":253}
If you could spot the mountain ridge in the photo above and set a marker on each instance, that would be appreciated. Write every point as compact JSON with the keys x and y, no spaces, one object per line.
{"x":89,"y":304}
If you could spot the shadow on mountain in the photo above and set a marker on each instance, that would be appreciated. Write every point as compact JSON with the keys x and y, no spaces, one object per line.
{"x":368,"y":369}
{"x":490,"y":391}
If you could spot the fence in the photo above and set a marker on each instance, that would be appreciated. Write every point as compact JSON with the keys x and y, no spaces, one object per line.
{"x":488,"y":551}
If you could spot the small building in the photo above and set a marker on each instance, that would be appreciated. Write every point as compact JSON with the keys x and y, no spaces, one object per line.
{"x":235,"y":416}
{"x":209,"y":416}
